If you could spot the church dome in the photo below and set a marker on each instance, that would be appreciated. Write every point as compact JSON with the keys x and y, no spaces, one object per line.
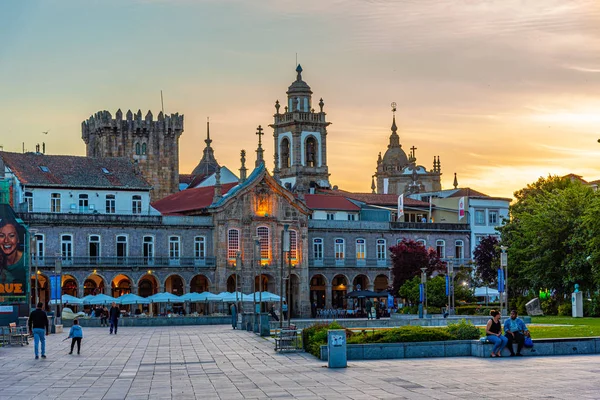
{"x":299,"y":86}
{"x":396,"y":157}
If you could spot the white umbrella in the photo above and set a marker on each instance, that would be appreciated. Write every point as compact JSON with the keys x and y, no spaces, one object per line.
{"x":68,"y":299}
{"x":131,"y":298}
{"x":165,"y":298}
{"x":267,"y":296}
{"x":100,"y":299}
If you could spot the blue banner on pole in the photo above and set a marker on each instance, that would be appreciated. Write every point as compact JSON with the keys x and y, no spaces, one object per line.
{"x":390,"y":301}
{"x":421,"y":293}
{"x":447,"y":285}
{"x":501,"y":281}
{"x":55,"y":287}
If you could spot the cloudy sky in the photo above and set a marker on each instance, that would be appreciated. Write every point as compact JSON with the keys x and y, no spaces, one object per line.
{"x":504,"y":91}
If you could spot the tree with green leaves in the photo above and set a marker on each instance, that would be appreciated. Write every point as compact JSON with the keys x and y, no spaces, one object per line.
{"x":550,"y":236}
{"x":436,"y":291}
{"x":408,"y":257}
{"x":487,"y":260}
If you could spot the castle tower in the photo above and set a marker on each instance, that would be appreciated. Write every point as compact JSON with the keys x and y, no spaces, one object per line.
{"x":300,"y":136}
{"x":153,"y":145}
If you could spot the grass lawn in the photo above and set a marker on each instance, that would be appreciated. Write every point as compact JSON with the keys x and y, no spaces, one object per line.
{"x":582,"y":327}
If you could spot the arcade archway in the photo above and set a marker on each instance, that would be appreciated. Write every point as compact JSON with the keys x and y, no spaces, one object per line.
{"x":120,"y":285}
{"x":339,"y":288}
{"x":318,"y":287}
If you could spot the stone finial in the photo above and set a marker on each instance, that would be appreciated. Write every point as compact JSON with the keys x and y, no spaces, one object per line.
{"x":243,"y":169}
{"x":299,"y":73}
{"x":259,"y":150}
{"x":217,"y":196}
{"x":277,"y":105}
{"x":439,"y":164}
{"x":373,"y":187}
{"x":455,"y":181}
{"x":321,"y":104}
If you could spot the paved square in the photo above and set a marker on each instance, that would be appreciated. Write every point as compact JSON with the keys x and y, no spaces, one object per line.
{"x":216,"y":362}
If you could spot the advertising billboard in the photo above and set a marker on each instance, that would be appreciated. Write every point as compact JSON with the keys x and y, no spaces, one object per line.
{"x":14,"y":262}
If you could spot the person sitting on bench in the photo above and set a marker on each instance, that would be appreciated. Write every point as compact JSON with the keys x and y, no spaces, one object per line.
{"x":515,"y":331}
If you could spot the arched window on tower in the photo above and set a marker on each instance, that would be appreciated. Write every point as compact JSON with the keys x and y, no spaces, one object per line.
{"x":311,"y":152}
{"x":143,"y":149}
{"x":137,"y":149}
{"x":285,"y":153}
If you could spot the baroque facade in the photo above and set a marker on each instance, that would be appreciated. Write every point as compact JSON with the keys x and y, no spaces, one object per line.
{"x":262,"y":231}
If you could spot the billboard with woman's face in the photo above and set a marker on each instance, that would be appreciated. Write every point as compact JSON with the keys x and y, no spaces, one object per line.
{"x":13,"y":258}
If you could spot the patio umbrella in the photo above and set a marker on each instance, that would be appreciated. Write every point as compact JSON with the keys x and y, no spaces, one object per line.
{"x":267,"y":296}
{"x":364,"y":293}
{"x":231,"y":297}
{"x":100,"y":299}
{"x":68,"y":299}
{"x":130,"y":298}
{"x":165,"y":297}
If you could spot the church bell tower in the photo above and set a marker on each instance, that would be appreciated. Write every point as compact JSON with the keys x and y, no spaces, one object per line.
{"x":300,"y":135}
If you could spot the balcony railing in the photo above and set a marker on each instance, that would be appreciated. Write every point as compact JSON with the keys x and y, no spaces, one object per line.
{"x":426,"y":226}
{"x":349,"y":262}
{"x":89,"y":219}
{"x":125,"y":262}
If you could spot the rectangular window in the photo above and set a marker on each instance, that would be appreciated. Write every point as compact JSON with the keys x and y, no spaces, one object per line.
{"x":263,"y":234}
{"x":66,"y":246}
{"x":174,"y":248}
{"x":28,"y":198}
{"x":293,"y":245}
{"x":233,"y":244}
{"x":479,"y":217}
{"x":136,"y":204}
{"x":110,"y":204}
{"x":148,"y":250}
{"x":339,"y":249}
{"x":40,"y":249}
{"x":330,"y":216}
{"x":318,"y":249}
{"x":361,"y":249}
{"x":94,"y":249}
{"x":459,"y":250}
{"x":493,"y":217}
{"x":83,"y":203}
{"x":381,"y":249}
{"x":55,"y":202}
{"x":351,"y":217}
{"x":199,"y":247}
{"x":440,"y":247}
{"x":121,"y":249}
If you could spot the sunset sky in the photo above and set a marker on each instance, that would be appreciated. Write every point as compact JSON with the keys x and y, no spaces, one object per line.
{"x":504,"y":91}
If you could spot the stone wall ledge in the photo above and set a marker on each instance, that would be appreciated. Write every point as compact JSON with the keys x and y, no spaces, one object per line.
{"x":463,"y":348}
{"x":148,"y":321}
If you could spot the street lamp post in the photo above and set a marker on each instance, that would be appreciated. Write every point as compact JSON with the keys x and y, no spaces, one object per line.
{"x":58,"y":270}
{"x":33,"y":262}
{"x":255,"y":261}
{"x":424,"y":282}
{"x":504,"y":276}
{"x":450,"y":285}
{"x":285,"y":246}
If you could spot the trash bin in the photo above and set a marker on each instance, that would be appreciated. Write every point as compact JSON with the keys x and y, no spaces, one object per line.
{"x":265,"y":325}
{"x":336,"y":348}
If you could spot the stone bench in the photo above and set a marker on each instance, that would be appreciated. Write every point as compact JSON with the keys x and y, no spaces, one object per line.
{"x":463,"y":348}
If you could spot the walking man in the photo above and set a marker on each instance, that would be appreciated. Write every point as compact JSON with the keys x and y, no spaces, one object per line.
{"x":38,"y":326}
{"x":233,"y":315}
{"x":113,"y":316}
{"x":369,"y":307}
{"x":284,"y":310}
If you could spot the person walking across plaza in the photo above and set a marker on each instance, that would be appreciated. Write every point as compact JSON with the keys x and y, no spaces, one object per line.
{"x":113,"y":317}
{"x":369,"y":307}
{"x":104,"y":316}
{"x":284,"y":310}
{"x":76,"y":334}
{"x":38,"y":326}
{"x":233,"y":308}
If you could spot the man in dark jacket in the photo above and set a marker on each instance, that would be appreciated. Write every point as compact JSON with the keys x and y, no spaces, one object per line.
{"x":38,"y":326}
{"x":113,"y":317}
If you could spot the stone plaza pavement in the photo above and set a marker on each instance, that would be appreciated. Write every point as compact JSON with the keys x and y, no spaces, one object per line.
{"x":216,"y":362}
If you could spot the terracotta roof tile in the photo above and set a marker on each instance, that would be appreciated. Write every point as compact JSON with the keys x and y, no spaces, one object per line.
{"x":376,"y":199}
{"x":325,"y":202}
{"x":189,"y":200}
{"x":74,"y":171}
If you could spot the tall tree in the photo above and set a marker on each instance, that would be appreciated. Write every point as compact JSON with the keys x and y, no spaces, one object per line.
{"x":546,"y":236}
{"x":487,"y":260}
{"x":408,"y":257}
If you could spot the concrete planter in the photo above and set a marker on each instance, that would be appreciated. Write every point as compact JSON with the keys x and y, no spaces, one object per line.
{"x":463,"y":348}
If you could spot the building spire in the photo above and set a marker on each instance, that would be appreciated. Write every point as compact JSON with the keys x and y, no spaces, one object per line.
{"x":243,"y":169}
{"x":208,"y":164}
{"x":259,"y":150}
{"x":207,"y":140}
{"x":394,"y":138}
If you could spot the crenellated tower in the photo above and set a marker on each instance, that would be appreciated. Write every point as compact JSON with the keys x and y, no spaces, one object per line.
{"x":152,"y":144}
{"x":300,"y":135}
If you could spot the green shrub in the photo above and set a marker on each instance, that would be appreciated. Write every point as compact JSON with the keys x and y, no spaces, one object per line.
{"x":315,"y":336}
{"x":564,"y":309}
{"x":549,"y":306}
{"x":519,"y":303}
{"x":414,"y":334}
{"x":463,"y":331}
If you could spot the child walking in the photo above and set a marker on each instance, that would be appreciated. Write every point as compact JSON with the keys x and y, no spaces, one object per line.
{"x":76,"y":333}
